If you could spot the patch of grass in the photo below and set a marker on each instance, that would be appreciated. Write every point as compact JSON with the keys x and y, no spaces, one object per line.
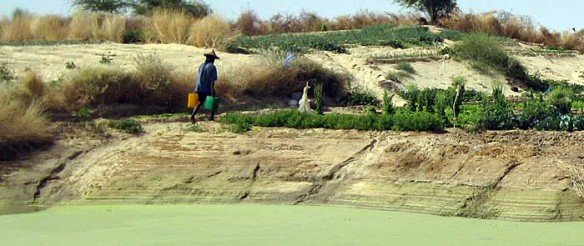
{"x":6,"y":73}
{"x":406,"y":67}
{"x":194,"y":128}
{"x":274,"y":80}
{"x":358,"y":97}
{"x":560,"y":99}
{"x":401,"y":121}
{"x":398,"y":76}
{"x":153,"y":83}
{"x":483,"y":50}
{"x":127,"y":125}
{"x":23,"y":125}
{"x":381,"y":35}
{"x":396,"y":57}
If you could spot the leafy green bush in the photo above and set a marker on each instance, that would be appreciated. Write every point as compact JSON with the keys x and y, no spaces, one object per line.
{"x":484,"y":50}
{"x":5,"y":73}
{"x":417,"y":121}
{"x":534,"y":109}
{"x":497,"y":112}
{"x":133,"y":36}
{"x":402,"y":121}
{"x":561,"y":123}
{"x":406,"y":67}
{"x":127,"y":125}
{"x":356,"y":97}
{"x":319,"y":99}
{"x":560,"y":99}
{"x":387,"y":103}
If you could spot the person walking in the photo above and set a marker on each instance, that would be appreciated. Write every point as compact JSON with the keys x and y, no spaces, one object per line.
{"x":205,"y":83}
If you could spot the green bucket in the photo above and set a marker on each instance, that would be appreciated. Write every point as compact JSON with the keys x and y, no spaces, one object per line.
{"x":211,"y":103}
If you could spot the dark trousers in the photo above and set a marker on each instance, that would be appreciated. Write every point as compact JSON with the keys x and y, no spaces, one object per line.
{"x":202,"y":99}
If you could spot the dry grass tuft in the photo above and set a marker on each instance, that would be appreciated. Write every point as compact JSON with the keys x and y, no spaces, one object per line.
{"x":153,"y":83}
{"x":50,"y":27}
{"x":113,"y":28}
{"x":269,"y":79}
{"x":22,"y":122}
{"x":83,"y":26}
{"x":518,"y":27}
{"x":19,"y":28}
{"x":211,"y":32}
{"x":170,"y":26}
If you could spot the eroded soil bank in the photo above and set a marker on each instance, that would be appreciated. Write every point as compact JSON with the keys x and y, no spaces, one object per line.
{"x":518,"y":175}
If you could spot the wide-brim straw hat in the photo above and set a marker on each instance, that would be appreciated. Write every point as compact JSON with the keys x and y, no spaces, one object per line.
{"x":212,"y":54}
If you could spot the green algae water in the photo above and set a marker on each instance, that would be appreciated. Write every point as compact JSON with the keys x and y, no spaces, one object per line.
{"x":268,"y":225}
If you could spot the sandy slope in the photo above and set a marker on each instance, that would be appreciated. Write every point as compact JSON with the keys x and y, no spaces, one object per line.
{"x":50,"y":62}
{"x":512,"y":175}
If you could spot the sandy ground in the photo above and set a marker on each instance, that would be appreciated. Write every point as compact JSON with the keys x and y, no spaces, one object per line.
{"x":50,"y":62}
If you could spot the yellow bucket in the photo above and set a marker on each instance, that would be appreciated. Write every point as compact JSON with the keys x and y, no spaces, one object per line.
{"x":193,"y":100}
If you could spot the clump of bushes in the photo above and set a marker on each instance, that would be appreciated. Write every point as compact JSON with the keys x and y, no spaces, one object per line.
{"x":406,"y":67}
{"x":400,"y":121}
{"x":23,"y":124}
{"x":486,"y":51}
{"x":153,"y":83}
{"x":274,"y":80}
{"x":127,"y":125}
{"x":359,"y":97}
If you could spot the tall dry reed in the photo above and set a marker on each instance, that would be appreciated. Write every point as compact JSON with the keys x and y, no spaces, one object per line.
{"x":211,"y":32}
{"x":50,"y":27}
{"x":170,"y":26}
{"x":84,"y":26}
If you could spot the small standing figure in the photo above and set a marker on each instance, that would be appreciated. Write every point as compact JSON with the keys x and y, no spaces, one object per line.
{"x":304,"y":101}
{"x":205,"y":84}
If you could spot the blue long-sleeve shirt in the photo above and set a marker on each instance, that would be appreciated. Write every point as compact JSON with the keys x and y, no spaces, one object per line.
{"x":206,"y":76}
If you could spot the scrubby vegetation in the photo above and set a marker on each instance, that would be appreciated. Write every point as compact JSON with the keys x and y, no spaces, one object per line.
{"x":127,"y":125}
{"x":483,"y":50}
{"x":23,"y":125}
{"x":401,"y":121}
{"x":338,"y":41}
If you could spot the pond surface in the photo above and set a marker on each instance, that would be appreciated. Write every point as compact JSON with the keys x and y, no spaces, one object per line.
{"x":268,"y":225}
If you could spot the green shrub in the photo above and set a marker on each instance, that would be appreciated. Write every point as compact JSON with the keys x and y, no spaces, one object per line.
{"x":5,"y":73}
{"x":558,"y":123}
{"x":355,"y":98}
{"x":483,"y":50}
{"x":127,"y":125}
{"x":388,"y":103}
{"x":560,"y":99}
{"x":442,"y":103}
{"x":133,"y":36}
{"x":398,"y":76}
{"x":534,"y":109}
{"x":497,"y":112}
{"x":411,"y":95}
{"x":417,"y":121}
{"x":402,"y":121}
{"x":319,"y":99}
{"x":84,"y":113}
{"x":406,"y":67}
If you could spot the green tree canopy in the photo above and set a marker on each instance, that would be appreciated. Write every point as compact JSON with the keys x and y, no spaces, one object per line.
{"x":435,"y":9}
{"x":102,"y":5}
{"x":196,"y":8}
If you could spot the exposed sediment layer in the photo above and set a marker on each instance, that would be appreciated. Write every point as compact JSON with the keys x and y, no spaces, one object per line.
{"x":510,"y":175}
